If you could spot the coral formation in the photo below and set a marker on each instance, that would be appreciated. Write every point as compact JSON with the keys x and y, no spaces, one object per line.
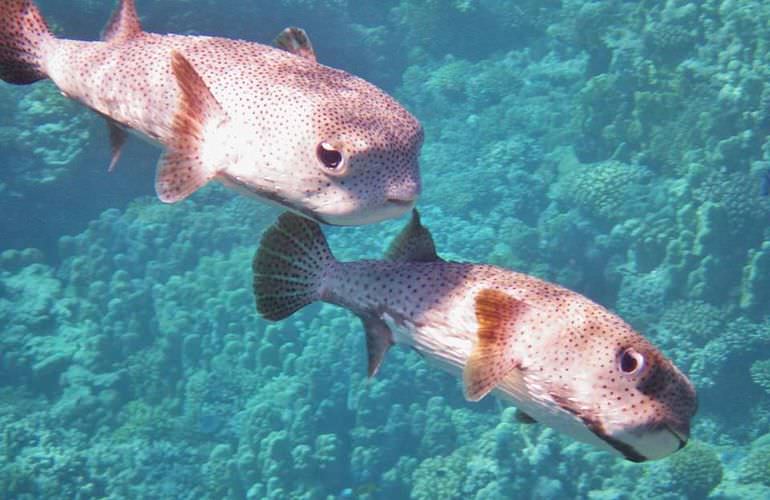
{"x":696,"y":471}
{"x":614,"y":147}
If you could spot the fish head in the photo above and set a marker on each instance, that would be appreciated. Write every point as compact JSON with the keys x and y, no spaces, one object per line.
{"x":345,"y":153}
{"x":364,"y":154}
{"x":570,"y":364}
{"x":623,"y":391}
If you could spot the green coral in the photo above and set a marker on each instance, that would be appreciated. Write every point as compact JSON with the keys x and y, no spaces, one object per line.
{"x":755,"y":468}
{"x":440,"y":478}
{"x":53,"y":129}
{"x":219,"y":474}
{"x":736,"y":193}
{"x":141,"y":420}
{"x":16,"y":482}
{"x":696,"y":470}
{"x":450,"y":79}
{"x":760,"y":374}
{"x":603,"y":190}
{"x":755,"y":289}
{"x":694,"y":319}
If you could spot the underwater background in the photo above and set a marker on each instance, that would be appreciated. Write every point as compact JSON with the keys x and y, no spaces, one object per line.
{"x":617,"y":148}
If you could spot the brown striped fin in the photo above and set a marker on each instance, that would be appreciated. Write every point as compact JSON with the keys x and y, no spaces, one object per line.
{"x":491,"y":360}
{"x":289,"y":266}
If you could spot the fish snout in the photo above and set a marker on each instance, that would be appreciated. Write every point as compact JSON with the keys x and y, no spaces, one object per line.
{"x":405,"y":194}
{"x":682,"y":434}
{"x":648,"y":442}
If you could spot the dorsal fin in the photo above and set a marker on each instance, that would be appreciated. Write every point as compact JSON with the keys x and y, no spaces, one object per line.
{"x":296,"y":41}
{"x":124,"y":23}
{"x":413,"y":244}
{"x":490,"y":360}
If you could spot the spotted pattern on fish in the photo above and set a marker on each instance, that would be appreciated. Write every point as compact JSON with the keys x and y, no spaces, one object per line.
{"x":23,"y":36}
{"x":277,"y":108}
{"x":562,"y":359}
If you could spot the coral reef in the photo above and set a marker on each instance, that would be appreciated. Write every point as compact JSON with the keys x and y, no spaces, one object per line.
{"x":614,"y":147}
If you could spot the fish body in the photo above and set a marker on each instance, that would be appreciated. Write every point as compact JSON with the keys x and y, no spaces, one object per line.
{"x":764,"y":184}
{"x":271,"y":123}
{"x":560,"y":358}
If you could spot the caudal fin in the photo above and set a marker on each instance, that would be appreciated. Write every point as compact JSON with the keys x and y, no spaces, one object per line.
{"x":23,"y":35}
{"x":289,"y":266}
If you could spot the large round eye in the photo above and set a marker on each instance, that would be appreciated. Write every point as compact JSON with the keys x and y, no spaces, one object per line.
{"x":631,"y":362}
{"x":328,"y":156}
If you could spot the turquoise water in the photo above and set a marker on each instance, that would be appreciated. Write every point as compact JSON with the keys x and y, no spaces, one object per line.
{"x":616,"y":148}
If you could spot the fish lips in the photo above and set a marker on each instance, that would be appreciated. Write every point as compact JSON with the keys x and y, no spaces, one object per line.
{"x":393,"y":208}
{"x":645,"y":442}
{"x":638,"y":443}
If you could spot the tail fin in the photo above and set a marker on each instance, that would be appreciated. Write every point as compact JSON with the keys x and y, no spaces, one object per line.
{"x":23,"y":34}
{"x":289,"y":266}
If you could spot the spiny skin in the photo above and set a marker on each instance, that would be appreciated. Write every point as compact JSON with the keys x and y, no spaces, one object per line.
{"x":560,"y":358}
{"x":565,"y":348}
{"x":279,"y":106}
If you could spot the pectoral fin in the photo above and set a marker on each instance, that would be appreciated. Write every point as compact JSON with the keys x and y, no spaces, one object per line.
{"x":379,"y":338}
{"x":181,"y":170}
{"x":296,"y":41}
{"x":490,"y":360}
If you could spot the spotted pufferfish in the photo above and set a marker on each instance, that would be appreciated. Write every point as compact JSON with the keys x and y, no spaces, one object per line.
{"x":271,"y":123}
{"x":561,"y":359}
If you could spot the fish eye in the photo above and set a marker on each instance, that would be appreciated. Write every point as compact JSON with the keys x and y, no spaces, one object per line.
{"x":329,"y":156}
{"x":630,"y":361}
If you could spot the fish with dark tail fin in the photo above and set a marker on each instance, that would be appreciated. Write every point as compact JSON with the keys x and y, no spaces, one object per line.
{"x":271,"y":123}
{"x":561,"y":359}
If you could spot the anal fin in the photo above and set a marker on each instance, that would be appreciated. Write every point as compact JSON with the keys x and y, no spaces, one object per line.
{"x":182,"y":169}
{"x":490,"y":360}
{"x":118,"y":137}
{"x":379,"y":338}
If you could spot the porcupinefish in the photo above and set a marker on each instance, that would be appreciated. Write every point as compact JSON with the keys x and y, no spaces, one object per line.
{"x":269,"y":122}
{"x":561,"y":359}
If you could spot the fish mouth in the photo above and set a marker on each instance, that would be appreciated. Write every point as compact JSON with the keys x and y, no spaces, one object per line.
{"x":404,"y":195}
{"x":658,"y":447}
{"x":628,"y":451}
{"x":657,"y":434}
{"x":402,"y":202}
{"x":680,"y":436}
